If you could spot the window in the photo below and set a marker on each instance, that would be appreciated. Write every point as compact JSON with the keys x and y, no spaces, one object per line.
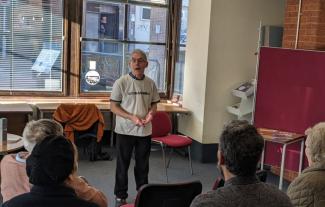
{"x":180,"y":60}
{"x":111,"y":30}
{"x":31,"y":45}
{"x":101,"y":37}
{"x":146,"y":13}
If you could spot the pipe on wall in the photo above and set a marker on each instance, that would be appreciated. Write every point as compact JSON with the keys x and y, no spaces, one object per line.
{"x":298,"y":24}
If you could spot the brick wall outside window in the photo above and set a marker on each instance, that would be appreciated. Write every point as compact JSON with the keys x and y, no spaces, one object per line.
{"x":312,"y":24}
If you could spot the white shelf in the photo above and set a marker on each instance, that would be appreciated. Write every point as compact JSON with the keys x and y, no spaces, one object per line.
{"x":243,"y":109}
{"x":234,"y":109}
{"x":240,"y":109}
{"x":244,"y":91}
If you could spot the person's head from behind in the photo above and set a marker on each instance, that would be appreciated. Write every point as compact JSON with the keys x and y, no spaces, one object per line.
{"x":36,"y":131}
{"x":315,"y":143}
{"x":138,"y":62}
{"x":51,"y":161}
{"x":240,"y":149}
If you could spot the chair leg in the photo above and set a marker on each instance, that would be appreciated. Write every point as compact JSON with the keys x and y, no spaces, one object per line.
{"x":92,"y":151}
{"x":190,"y":158}
{"x":164,"y":160}
{"x":170,"y":156}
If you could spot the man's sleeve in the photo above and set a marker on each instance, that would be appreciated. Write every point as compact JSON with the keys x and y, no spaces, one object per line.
{"x":155,"y":95}
{"x":116,"y":95}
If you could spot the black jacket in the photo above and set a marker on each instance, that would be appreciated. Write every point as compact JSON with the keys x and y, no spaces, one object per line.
{"x":41,"y":196}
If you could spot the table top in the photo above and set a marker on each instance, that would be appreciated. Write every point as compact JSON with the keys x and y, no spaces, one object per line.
{"x":13,"y":143}
{"x":15,"y":107}
{"x":278,"y":136}
{"x":105,"y":106}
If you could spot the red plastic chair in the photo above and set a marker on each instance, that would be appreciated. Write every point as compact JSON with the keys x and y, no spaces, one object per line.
{"x":167,"y":195}
{"x":161,"y":128}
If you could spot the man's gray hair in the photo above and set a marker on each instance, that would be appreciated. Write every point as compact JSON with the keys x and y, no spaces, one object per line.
{"x":141,"y":52}
{"x":316,"y":142}
{"x":36,"y":131}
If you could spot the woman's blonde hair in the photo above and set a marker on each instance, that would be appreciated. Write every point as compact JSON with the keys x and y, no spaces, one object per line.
{"x":316,"y":142}
{"x":36,"y":131}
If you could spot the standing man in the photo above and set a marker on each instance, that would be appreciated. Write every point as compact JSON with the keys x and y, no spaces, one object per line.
{"x":134,"y":102}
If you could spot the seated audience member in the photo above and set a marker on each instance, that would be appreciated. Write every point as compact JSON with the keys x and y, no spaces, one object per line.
{"x":239,"y":152}
{"x":81,"y":186}
{"x":13,"y":167}
{"x":14,"y":180}
{"x":48,"y":166}
{"x":308,"y":189}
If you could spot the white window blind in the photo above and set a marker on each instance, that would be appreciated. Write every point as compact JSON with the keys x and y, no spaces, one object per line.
{"x":31,"y":45}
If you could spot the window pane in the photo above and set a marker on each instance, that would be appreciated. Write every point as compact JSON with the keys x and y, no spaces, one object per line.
{"x":103,"y":42}
{"x":156,"y":69}
{"x":111,"y":66}
{"x":184,"y":17}
{"x":147,"y":24}
{"x":179,"y":71}
{"x":103,"y":20}
{"x":180,"y":61}
{"x":31,"y":45}
{"x":154,"y":1}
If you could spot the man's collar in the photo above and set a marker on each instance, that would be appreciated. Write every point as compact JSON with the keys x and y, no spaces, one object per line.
{"x":241,"y":180}
{"x":317,"y":166}
{"x":134,"y":77}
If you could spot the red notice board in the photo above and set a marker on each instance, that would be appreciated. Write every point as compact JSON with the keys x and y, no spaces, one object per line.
{"x":290,"y":89}
{"x":290,"y":96}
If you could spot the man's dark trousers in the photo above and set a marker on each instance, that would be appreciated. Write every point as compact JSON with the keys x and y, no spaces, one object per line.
{"x":125,"y":145}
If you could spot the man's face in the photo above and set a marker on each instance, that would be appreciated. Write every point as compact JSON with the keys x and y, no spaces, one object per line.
{"x":138,"y":64}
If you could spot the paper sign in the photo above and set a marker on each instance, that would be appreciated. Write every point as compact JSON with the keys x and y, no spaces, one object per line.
{"x":45,"y":60}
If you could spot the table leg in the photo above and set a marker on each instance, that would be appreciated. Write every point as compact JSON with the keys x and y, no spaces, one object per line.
{"x":301,"y":155}
{"x":175,"y":123}
{"x":262,"y":157}
{"x":113,"y":118}
{"x":282,"y":165}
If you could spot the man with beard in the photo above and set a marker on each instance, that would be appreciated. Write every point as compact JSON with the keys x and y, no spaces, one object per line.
{"x":239,"y":152}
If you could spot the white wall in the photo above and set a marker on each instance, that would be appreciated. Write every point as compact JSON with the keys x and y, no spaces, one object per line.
{"x":196,"y":66}
{"x":219,"y":56}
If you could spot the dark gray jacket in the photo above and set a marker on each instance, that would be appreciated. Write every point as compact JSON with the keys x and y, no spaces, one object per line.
{"x":243,"y":192}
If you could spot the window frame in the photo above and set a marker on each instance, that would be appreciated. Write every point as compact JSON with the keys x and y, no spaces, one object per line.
{"x":168,"y":43}
{"x":142,"y":13}
{"x":71,"y":57}
{"x":64,"y":91}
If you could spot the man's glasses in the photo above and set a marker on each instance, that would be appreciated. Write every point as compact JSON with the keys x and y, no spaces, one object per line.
{"x":140,"y":60}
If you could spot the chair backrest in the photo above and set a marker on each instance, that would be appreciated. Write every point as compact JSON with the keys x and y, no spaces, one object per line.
{"x":161,"y":124}
{"x":168,"y":195}
{"x":79,"y":117}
